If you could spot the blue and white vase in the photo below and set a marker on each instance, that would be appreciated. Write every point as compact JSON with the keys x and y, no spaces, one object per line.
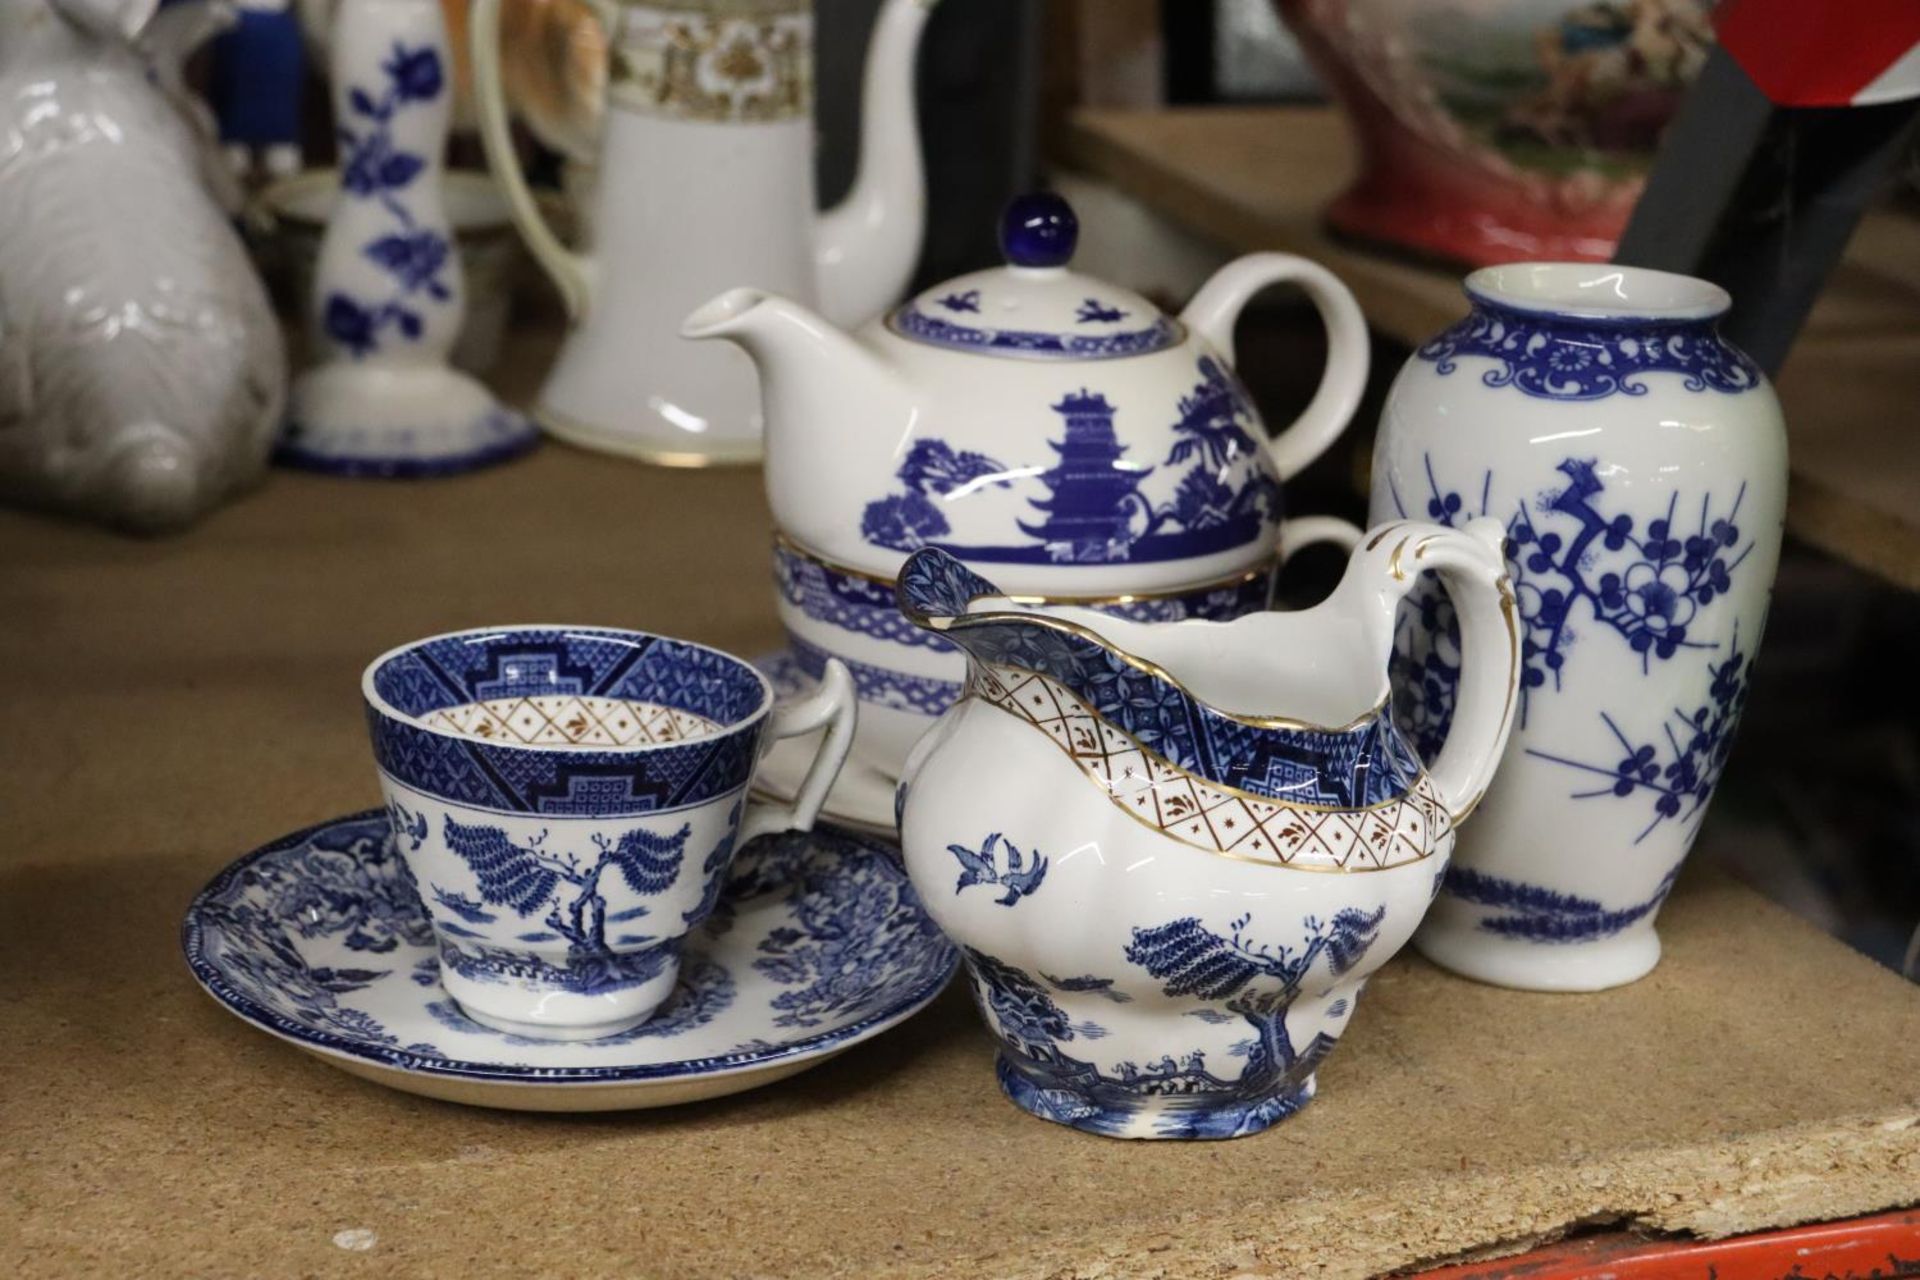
{"x":388,"y":297}
{"x":1639,"y":462}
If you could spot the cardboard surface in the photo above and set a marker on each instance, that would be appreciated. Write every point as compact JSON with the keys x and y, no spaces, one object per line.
{"x":169,"y":705}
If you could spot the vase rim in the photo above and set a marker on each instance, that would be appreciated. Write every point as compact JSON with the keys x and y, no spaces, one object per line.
{"x":1597,"y":291}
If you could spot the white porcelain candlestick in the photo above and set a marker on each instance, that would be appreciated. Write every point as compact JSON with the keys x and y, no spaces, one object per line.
{"x":387,"y":296}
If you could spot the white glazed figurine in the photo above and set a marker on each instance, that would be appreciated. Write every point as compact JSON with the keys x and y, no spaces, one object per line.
{"x":1171,"y":854}
{"x":1055,"y":430}
{"x":388,"y":296}
{"x":141,"y":368}
{"x":1639,"y":463}
{"x":705,"y":179}
{"x":168,"y":42}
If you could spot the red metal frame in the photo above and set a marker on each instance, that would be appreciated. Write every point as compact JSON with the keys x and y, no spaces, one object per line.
{"x":1881,"y":1247}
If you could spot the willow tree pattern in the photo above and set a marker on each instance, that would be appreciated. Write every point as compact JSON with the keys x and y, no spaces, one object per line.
{"x":526,"y":877}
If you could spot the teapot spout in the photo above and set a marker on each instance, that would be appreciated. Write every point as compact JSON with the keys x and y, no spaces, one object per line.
{"x":817,"y":383}
{"x":866,"y":247}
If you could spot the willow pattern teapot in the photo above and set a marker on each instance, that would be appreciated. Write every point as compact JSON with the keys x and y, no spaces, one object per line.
{"x":1056,"y":429}
{"x":1172,"y":853}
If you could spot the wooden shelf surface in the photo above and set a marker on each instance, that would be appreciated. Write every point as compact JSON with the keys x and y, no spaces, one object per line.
{"x":1258,"y":178}
{"x":176,"y":702}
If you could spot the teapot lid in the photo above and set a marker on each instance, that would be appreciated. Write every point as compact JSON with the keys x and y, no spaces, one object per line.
{"x":1034,"y":308}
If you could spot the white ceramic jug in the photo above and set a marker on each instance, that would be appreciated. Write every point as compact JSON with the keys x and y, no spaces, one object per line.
{"x":1172,"y":853}
{"x":705,"y":180}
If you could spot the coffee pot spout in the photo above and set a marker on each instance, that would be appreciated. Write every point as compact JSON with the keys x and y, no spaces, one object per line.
{"x":867,"y":246}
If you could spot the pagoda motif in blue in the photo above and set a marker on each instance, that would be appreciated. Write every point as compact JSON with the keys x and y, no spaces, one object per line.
{"x":1212,"y":492}
{"x":1092,"y":494}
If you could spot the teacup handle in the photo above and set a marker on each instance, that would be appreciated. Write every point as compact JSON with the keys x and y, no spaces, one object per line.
{"x":832,"y":703}
{"x":573,"y":273}
{"x":1472,"y":566}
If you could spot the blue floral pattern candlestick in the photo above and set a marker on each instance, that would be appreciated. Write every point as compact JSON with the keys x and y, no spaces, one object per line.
{"x":387,"y":296}
{"x":1638,"y":463}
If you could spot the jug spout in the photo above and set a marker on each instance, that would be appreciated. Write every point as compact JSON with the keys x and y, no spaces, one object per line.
{"x":817,"y":383}
{"x":866,"y":247}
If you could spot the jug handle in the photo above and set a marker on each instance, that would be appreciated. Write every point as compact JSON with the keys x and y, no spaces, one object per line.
{"x":572,"y":272}
{"x":1212,"y":314}
{"x":1471,"y":565}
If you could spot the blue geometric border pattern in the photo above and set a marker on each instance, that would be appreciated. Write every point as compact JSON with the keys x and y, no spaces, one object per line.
{"x":854,"y":602}
{"x":507,"y":779}
{"x":1224,"y":603}
{"x":911,"y":322}
{"x":1557,"y":357}
{"x":210,"y":909}
{"x":450,"y":671}
{"x":477,"y":667}
{"x":1356,"y":766}
{"x":849,"y":601}
{"x":896,"y":689}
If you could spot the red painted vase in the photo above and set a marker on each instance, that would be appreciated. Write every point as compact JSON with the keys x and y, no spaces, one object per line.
{"x":1501,"y":130}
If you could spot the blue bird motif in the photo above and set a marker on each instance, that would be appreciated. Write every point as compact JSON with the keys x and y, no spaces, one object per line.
{"x":1019,"y":879}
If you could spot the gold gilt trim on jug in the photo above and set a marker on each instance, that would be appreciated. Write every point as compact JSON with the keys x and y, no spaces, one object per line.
{"x":721,"y":62}
{"x":1207,"y":816}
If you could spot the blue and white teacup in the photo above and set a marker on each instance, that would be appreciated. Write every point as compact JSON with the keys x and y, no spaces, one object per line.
{"x":568,"y":800}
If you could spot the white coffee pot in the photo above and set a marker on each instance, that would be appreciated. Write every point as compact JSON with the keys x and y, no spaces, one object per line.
{"x":704,"y":180}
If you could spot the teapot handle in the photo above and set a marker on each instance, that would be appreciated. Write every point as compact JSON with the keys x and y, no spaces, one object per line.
{"x":1309,"y":531}
{"x":572,"y":272}
{"x":1212,"y":314}
{"x":1471,"y":565}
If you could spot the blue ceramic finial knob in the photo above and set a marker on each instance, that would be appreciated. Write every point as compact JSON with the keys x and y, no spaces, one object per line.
{"x":1038,"y":230}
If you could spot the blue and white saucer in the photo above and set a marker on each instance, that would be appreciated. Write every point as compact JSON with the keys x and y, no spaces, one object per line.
{"x":319,"y":938}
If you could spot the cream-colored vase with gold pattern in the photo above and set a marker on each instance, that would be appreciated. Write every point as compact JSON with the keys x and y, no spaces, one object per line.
{"x":704,"y":180}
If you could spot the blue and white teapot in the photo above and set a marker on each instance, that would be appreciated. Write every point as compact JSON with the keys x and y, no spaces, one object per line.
{"x":1171,"y":853}
{"x":1053,"y":428}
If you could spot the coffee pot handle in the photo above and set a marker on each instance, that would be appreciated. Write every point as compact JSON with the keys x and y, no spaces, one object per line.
{"x":572,"y":273}
{"x":1212,"y":314}
{"x":1472,"y":567}
{"x":832,"y":704}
